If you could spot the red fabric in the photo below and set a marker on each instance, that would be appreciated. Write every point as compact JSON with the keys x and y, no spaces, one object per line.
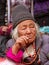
{"x":17,"y":58}
{"x":1,"y":32}
{"x":10,"y":26}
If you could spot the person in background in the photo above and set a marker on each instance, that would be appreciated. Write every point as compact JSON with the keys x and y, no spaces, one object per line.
{"x":6,"y":29}
{"x":5,"y":32}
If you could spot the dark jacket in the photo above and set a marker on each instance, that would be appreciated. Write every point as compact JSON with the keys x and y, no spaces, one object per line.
{"x":43,"y":44}
{"x":44,"y":52}
{"x":3,"y":41}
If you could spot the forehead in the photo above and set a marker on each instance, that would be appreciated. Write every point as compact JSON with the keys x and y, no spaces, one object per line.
{"x":26,"y":22}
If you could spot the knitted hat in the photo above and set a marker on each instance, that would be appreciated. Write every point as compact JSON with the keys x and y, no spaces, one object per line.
{"x":19,"y":14}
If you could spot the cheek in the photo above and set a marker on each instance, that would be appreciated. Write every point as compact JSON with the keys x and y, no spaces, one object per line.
{"x":21,"y":33}
{"x":33,"y":31}
{"x":33,"y":37}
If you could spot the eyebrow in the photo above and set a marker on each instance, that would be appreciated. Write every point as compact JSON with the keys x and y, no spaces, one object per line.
{"x":32,"y":24}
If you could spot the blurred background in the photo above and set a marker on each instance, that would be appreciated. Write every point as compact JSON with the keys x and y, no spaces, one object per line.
{"x":38,"y":8}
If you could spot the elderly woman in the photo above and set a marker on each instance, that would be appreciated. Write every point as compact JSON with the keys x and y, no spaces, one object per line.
{"x":26,"y":39}
{"x":25,"y":45}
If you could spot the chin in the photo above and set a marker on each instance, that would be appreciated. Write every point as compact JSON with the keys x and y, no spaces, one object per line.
{"x":30,"y":41}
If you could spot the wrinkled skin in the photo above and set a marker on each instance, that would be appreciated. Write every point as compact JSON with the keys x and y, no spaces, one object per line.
{"x":27,"y":34}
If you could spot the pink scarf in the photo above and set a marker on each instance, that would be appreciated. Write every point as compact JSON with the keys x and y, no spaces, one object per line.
{"x":17,"y":58}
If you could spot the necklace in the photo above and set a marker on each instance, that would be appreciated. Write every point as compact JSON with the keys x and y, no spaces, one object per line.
{"x":30,"y":51}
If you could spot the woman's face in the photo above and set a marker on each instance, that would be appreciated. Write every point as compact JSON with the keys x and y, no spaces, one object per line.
{"x":27,"y":28}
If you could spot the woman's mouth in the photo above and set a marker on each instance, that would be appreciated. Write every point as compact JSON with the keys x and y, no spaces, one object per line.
{"x":29,"y":37}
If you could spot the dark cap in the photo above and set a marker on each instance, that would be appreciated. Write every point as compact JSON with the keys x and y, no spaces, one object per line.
{"x":19,"y":14}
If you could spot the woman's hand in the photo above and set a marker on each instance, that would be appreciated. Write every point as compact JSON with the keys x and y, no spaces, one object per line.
{"x":21,"y":42}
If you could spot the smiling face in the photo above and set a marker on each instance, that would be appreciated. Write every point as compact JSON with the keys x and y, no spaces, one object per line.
{"x":27,"y":28}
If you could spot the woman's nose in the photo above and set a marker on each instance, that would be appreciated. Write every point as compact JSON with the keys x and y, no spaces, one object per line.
{"x":28,"y":30}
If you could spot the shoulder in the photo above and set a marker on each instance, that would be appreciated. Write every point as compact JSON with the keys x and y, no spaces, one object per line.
{"x":44,"y":36}
{"x":10,"y":43}
{"x":45,"y":48}
{"x":45,"y":39}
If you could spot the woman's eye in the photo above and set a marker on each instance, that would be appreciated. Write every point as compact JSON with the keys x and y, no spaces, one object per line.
{"x":31,"y":26}
{"x":23,"y":28}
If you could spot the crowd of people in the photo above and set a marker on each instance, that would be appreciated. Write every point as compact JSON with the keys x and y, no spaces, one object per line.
{"x":24,"y":45}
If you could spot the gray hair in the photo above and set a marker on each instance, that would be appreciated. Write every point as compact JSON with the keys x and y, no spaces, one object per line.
{"x":15,"y":33}
{"x":37,"y":30}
